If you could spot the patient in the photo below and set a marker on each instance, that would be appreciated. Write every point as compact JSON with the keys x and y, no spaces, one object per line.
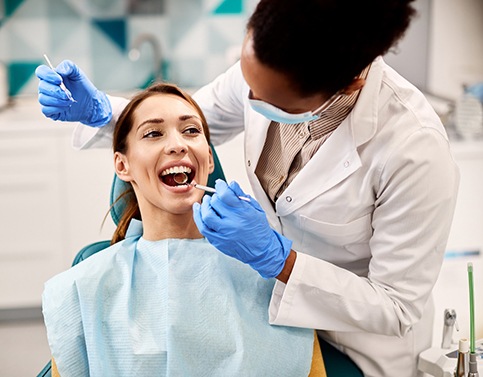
{"x":162,"y":301}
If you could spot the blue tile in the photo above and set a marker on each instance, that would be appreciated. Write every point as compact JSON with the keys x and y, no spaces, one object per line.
{"x":19,"y":73}
{"x":11,"y":6}
{"x":229,"y":7}
{"x":115,"y":30}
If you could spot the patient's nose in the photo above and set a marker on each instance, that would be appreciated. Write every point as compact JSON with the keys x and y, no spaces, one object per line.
{"x":176,"y":144}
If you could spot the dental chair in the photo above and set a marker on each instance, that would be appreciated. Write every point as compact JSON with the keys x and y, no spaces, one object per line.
{"x":336,"y":363}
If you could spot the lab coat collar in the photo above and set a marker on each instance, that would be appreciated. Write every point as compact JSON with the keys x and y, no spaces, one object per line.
{"x":366,"y":109}
{"x":338,"y":156}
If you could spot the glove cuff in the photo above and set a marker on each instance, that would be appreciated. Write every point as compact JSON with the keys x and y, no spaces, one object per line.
{"x":101,"y":112}
{"x":273,"y":266}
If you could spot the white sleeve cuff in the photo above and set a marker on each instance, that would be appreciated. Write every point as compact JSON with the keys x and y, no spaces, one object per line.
{"x":85,"y":137}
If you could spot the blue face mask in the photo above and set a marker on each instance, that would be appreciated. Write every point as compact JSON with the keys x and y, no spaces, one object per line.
{"x":278,"y":115}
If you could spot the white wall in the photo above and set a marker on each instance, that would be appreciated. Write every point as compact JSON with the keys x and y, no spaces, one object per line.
{"x":455,"y":53}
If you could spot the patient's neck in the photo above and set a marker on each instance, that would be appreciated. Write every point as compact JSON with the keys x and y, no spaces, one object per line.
{"x":170,"y":226}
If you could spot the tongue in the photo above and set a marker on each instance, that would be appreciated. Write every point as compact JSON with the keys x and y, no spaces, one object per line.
{"x":169,"y":180}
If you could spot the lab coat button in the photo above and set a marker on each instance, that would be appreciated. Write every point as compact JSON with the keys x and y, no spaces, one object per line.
{"x":249,"y":163}
{"x":288,"y":198}
{"x":346,"y":164}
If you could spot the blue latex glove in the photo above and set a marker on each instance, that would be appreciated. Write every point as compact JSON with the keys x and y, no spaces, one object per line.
{"x":240,"y":229}
{"x":92,"y":107}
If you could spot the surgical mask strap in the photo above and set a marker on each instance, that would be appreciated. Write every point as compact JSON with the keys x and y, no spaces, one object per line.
{"x":328,"y":104}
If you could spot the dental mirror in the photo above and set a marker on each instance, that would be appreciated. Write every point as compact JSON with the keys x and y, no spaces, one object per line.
{"x":180,"y":178}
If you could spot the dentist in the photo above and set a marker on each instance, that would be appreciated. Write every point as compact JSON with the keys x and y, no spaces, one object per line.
{"x":351,"y":168}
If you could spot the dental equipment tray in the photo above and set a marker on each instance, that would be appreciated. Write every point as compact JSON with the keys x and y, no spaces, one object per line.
{"x":441,"y":362}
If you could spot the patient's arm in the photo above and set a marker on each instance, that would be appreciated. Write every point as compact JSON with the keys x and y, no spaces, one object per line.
{"x":55,"y":372}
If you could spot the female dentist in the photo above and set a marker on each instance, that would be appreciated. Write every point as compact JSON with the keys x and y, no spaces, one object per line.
{"x":348,"y":160}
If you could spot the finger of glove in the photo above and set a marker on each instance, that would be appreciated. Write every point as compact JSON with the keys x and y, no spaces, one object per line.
{"x":51,"y":94}
{"x":76,"y":80}
{"x":225,"y":194}
{"x":239,"y":192}
{"x":69,"y":70}
{"x":218,"y":240}
{"x":198,"y":219}
{"x":205,"y":230}
{"x":55,"y":113}
{"x":210,"y":217}
{"x":47,"y":74}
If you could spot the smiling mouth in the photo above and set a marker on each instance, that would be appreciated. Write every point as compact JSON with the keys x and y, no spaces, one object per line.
{"x":177,"y":176}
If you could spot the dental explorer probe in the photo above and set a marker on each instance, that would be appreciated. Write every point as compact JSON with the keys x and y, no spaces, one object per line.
{"x":62,"y":85}
{"x":182,"y":178}
{"x":211,"y":189}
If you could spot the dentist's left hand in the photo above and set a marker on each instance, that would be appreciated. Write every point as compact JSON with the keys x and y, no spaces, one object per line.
{"x":92,"y":107}
{"x":240,"y":229}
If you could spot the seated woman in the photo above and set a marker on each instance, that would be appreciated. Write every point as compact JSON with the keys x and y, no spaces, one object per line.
{"x":161,"y":300}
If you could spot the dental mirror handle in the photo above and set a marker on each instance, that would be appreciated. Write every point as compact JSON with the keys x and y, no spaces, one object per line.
{"x":212,"y":190}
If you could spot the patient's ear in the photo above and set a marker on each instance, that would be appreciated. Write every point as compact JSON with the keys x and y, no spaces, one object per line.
{"x":121,"y":166}
{"x":212,"y":162}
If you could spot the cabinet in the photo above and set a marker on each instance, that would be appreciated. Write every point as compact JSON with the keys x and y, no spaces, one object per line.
{"x":53,"y":200}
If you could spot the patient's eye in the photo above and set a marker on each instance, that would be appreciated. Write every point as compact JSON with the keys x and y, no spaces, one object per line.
{"x":151,"y":134}
{"x":193,"y":129}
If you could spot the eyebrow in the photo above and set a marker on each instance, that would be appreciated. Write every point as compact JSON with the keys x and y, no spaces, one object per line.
{"x":161,"y":120}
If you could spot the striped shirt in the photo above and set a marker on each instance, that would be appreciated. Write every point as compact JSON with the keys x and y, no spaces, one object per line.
{"x":288,"y":147}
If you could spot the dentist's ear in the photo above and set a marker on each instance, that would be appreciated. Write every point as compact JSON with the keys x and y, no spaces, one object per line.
{"x":121,"y":166}
{"x":355,"y":85}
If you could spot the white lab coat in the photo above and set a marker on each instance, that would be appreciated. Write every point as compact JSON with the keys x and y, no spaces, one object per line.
{"x":369,"y":216}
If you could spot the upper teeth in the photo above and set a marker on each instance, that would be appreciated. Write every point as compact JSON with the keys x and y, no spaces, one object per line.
{"x":176,"y":169}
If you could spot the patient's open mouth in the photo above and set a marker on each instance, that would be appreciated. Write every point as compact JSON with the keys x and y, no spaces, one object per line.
{"x":177,"y":176}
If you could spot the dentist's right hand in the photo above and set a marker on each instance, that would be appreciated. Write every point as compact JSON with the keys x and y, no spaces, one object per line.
{"x":92,"y":107}
{"x":240,"y":229}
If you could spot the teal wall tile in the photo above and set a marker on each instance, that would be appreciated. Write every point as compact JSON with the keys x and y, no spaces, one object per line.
{"x":11,"y":6}
{"x":229,"y":7}
{"x":95,"y":34}
{"x":114,"y":29}
{"x":19,"y":73}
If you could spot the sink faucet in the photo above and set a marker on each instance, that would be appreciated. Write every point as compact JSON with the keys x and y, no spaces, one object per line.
{"x":134,"y":52}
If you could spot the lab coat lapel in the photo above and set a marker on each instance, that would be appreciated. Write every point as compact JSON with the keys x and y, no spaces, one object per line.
{"x":335,"y":160}
{"x":255,"y":135}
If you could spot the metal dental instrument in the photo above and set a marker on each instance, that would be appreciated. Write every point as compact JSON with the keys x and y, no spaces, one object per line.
{"x":212,"y":190}
{"x":449,"y":324}
{"x":180,"y":178}
{"x":62,"y":85}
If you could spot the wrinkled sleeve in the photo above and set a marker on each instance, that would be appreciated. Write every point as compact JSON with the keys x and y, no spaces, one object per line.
{"x":222,"y":102}
{"x":86,"y":137}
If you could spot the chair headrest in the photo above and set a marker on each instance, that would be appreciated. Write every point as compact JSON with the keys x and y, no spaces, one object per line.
{"x":118,"y":188}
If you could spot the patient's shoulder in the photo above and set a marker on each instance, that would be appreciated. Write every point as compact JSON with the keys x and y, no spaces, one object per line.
{"x":91,"y":269}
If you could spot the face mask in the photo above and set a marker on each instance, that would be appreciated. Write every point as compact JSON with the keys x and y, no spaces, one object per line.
{"x":278,"y":115}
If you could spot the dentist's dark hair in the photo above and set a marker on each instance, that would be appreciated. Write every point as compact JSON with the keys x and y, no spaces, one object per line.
{"x":119,"y":144}
{"x":305,"y":40}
